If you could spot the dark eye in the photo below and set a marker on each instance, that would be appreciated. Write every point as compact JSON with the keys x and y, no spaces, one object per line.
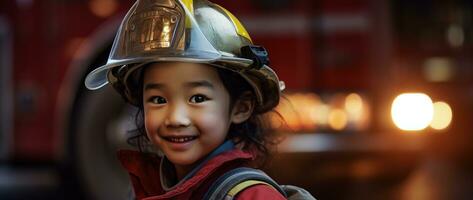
{"x":157,"y":100}
{"x":198,"y":98}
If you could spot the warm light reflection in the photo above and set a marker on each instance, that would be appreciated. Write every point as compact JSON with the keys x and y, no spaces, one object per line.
{"x":307,"y":106}
{"x":337,"y":119}
{"x":353,"y":103}
{"x":310,"y":112}
{"x":442,"y":116}
{"x":439,"y":69}
{"x":354,"y":106}
{"x":297,"y":112}
{"x":412,"y":111}
{"x":320,"y":113}
{"x":103,"y":8}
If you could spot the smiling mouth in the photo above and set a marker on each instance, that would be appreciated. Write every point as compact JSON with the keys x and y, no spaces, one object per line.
{"x":179,"y":139}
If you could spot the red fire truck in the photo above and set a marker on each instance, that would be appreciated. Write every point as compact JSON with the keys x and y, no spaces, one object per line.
{"x":343,"y":64}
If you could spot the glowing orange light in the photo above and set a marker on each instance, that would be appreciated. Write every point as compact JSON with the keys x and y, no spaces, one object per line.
{"x":442,"y":116}
{"x":308,"y":112}
{"x":354,"y":106}
{"x":412,"y":111}
{"x":337,"y":119}
{"x":103,"y":8}
{"x":320,"y":114}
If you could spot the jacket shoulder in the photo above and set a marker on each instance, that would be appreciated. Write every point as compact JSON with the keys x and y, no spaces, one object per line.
{"x":142,"y":170}
{"x":259,"y":191}
{"x":133,"y":161}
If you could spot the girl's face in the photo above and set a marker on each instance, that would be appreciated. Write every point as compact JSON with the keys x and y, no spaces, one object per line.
{"x":186,"y":109}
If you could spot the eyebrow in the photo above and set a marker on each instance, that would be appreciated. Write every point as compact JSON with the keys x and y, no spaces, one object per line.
{"x":202,"y":83}
{"x":191,"y":84}
{"x":156,"y":86}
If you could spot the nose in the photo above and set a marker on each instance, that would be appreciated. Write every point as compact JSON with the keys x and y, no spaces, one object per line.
{"x":177,"y":116}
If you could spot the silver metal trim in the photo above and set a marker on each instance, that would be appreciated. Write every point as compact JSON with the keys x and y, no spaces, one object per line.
{"x":6,"y":90}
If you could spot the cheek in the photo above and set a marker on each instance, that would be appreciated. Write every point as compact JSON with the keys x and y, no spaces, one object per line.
{"x":152,"y":121}
{"x":214,"y":122}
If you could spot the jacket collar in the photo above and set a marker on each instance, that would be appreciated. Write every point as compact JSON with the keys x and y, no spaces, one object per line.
{"x":166,"y":170}
{"x":145,"y":168}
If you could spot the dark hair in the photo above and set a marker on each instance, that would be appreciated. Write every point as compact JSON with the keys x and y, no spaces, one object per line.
{"x":255,"y":134}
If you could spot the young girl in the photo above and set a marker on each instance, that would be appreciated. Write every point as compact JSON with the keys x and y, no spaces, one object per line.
{"x":201,"y":86}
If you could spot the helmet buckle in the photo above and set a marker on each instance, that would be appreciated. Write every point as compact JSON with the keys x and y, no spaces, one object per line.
{"x":258,"y":54}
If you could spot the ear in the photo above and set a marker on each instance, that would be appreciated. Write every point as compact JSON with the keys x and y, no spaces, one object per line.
{"x":243,"y":108}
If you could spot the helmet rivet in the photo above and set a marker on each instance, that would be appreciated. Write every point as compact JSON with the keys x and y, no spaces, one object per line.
{"x":173,"y":19}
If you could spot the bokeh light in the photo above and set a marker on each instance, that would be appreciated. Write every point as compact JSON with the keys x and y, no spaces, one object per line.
{"x":337,"y":119}
{"x":412,"y":111}
{"x":103,"y":8}
{"x":442,"y":116}
{"x":354,"y":106}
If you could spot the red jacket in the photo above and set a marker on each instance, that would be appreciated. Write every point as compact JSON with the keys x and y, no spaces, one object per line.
{"x":144,"y":174}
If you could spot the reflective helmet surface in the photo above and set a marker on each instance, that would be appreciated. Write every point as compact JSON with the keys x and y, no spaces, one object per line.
{"x":184,"y":31}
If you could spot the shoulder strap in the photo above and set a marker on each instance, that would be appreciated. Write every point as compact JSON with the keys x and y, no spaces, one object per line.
{"x":228,"y":181}
{"x":243,"y":185}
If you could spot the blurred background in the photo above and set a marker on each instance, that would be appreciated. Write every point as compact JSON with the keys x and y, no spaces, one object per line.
{"x":378,"y":104}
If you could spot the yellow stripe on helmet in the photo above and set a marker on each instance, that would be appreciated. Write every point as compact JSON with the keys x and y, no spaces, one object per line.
{"x":238,"y":26}
{"x":189,"y":4}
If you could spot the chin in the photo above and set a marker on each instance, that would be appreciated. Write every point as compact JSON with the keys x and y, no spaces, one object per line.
{"x":182,"y":159}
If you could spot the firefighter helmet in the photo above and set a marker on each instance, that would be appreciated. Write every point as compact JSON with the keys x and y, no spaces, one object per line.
{"x":185,"y":31}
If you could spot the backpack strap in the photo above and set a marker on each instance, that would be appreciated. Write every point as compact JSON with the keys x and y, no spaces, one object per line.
{"x":236,"y":180}
{"x":245,"y":184}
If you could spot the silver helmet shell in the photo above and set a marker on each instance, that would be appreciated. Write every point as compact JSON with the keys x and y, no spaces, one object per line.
{"x":182,"y":31}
